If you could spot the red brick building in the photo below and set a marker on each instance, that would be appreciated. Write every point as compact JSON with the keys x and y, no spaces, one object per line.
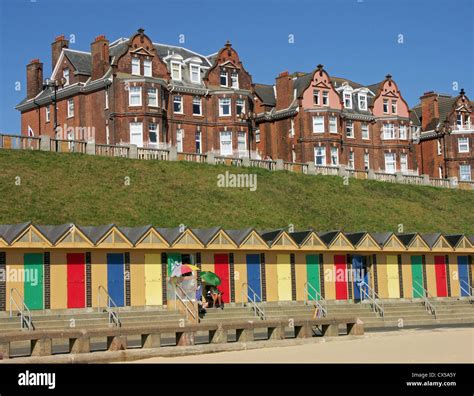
{"x":314,"y":117}
{"x":445,"y":145}
{"x":135,"y":91}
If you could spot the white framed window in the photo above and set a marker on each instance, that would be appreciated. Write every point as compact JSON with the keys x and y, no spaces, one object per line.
{"x":465,"y":172}
{"x":292,"y":127}
{"x":70,"y":108}
{"x":178,"y":104}
{"x":459,"y":120}
{"x":240,"y":106}
{"x":107,"y":135}
{"x":402,"y":132}
{"x":440,"y":172}
{"x":438,"y":147}
{"x":226,"y":143}
{"x":351,"y":160}
{"x":198,"y":141}
{"x":403,"y":162}
{"x":135,"y":96}
{"x":48,"y":113}
{"x":179,"y":140}
{"x":347,"y":100}
{"x":176,"y":71}
{"x":224,"y":107}
{"x":388,"y":131}
{"x":147,"y":70}
{"x":463,"y":144}
{"x":366,"y":161}
{"x":257,"y":136}
{"x":242,"y":141}
{"x":362,"y":101}
{"x":223,"y":78}
{"x":349,"y":129}
{"x":194,"y":74}
{"x":385,"y":106}
{"x":197,"y":108}
{"x":325,"y":98}
{"x":320,"y":155}
{"x":106,"y":99}
{"x":332,"y":124}
{"x":394,"y":107}
{"x":316,"y":97}
{"x":66,"y":76}
{"x":334,"y":156}
{"x":318,"y":124}
{"x":152,"y":97}
{"x":136,"y":66}
{"x":234,"y":79}
{"x":364,"y":127}
{"x":153,"y":133}
{"x":390,"y":163}
{"x":136,"y":133}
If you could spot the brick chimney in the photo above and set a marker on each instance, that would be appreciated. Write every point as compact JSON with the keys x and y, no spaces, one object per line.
{"x":34,"y":78}
{"x":56,"y":47}
{"x":284,"y":90}
{"x":429,"y":108}
{"x":100,"y":57}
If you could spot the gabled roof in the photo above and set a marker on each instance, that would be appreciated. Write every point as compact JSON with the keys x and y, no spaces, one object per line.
{"x":328,"y":237}
{"x":9,"y":232}
{"x":407,"y":238}
{"x":205,"y":235}
{"x":95,"y":233}
{"x":80,"y":60}
{"x":270,"y":236}
{"x":266,"y":94}
{"x":54,"y":232}
{"x":431,"y":238}
{"x":300,"y":236}
{"x":134,"y":234}
{"x":170,"y":234}
{"x":238,"y":236}
{"x":453,"y":239}
{"x":381,"y":237}
{"x":355,"y":237}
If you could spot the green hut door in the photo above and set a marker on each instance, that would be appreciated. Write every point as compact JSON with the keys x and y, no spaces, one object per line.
{"x":34,"y":292}
{"x":417,"y":276}
{"x":173,"y":260}
{"x":312,"y":276}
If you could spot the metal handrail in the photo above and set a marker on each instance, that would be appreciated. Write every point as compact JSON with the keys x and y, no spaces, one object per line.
{"x":320,"y":301}
{"x":258,"y":310}
{"x":188,"y":310}
{"x":113,"y":313}
{"x":469,"y":287}
{"x":370,"y":293}
{"x":427,"y":303}
{"x":25,"y":313}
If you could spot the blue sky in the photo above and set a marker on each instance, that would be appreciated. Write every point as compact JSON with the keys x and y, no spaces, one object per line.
{"x":356,"y":39}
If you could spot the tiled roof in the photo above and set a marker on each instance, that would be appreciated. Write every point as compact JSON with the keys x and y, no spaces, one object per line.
{"x":80,"y":60}
{"x":431,"y":239}
{"x":266,"y":94}
{"x":134,"y":234}
{"x":54,"y":232}
{"x":300,"y":236}
{"x":381,"y":237}
{"x":355,"y":237}
{"x":205,"y":235}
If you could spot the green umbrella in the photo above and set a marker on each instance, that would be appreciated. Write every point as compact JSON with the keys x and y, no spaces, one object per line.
{"x":210,"y":278}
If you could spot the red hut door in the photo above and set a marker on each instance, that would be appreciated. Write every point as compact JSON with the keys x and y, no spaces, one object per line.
{"x":221,"y":268}
{"x":76,"y":290}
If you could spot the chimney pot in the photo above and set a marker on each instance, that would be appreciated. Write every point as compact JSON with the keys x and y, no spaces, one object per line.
{"x":284,"y":74}
{"x":100,"y":38}
{"x":36,"y":60}
{"x":59,"y":38}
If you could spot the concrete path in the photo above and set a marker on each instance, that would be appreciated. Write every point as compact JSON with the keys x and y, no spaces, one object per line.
{"x":404,"y":346}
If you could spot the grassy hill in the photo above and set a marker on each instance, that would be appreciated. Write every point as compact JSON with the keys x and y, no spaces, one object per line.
{"x":88,"y":190}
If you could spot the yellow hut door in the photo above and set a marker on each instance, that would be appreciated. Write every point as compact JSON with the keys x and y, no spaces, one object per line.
{"x":393,"y":280}
{"x":284,"y":277}
{"x":153,"y":285}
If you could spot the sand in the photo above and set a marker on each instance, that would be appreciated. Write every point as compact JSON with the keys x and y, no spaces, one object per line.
{"x":448,"y":345}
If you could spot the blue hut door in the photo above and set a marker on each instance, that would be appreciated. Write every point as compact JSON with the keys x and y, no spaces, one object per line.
{"x":359,"y":274}
{"x":253,"y":276}
{"x":115,"y":277}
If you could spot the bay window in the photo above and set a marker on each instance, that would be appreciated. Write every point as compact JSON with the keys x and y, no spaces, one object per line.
{"x":318,"y":124}
{"x":226,"y":143}
{"x":320,"y":155}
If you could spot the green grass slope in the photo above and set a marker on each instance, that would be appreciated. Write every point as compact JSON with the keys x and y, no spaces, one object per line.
{"x":88,"y":190}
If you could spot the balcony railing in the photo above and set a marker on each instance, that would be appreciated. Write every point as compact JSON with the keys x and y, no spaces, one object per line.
{"x":153,"y":154}
{"x":19,"y":142}
{"x":264,"y":164}
{"x":109,"y":150}
{"x":68,"y":146}
{"x":386,"y":177}
{"x":297,"y":167}
{"x":192,"y":157}
{"x":326,"y":170}
{"x":435,"y":182}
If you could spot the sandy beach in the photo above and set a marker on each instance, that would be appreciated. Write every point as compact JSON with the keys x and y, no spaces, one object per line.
{"x":405,"y":346}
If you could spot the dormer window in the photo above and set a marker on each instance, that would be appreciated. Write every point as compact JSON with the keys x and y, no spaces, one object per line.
{"x":325,"y":98}
{"x":136,"y":66}
{"x":347,"y":100}
{"x":394,"y":107}
{"x":223,"y":78}
{"x":385,"y":106}
{"x":176,"y":71}
{"x":147,"y":68}
{"x":234,"y":78}
{"x":194,"y":74}
{"x":316,"y":97}
{"x":66,"y":76}
{"x":362,"y":102}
